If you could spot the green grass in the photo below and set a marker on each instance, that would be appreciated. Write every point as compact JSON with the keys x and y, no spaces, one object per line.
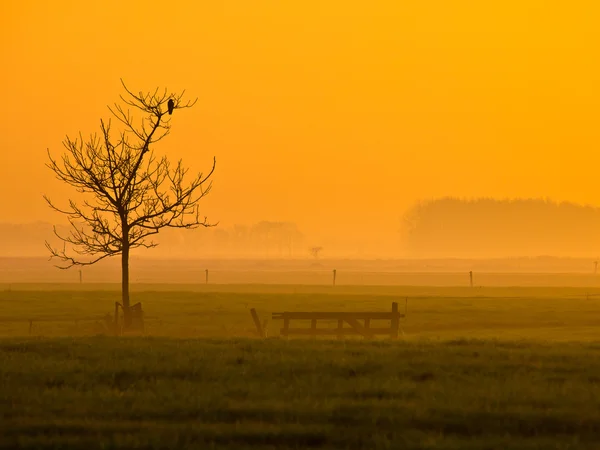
{"x":489,"y":368}
{"x":223,"y":311}
{"x":238,"y":393}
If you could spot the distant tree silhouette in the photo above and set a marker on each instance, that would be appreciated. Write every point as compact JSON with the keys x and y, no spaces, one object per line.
{"x":278,"y":235}
{"x":314,"y":251}
{"x":485,"y":227}
{"x":131,"y":193}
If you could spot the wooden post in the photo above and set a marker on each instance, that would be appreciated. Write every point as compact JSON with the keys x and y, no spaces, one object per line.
{"x":340,"y":327}
{"x":313,"y":327}
{"x":80,"y":276}
{"x":206,"y":276}
{"x":395,"y":322}
{"x":30,"y":326}
{"x":259,"y":328}
{"x":334,"y":274}
{"x":117,"y":317}
{"x":286,"y":326}
{"x":471,"y":278}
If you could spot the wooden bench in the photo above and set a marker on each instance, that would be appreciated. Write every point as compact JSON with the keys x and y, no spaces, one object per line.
{"x":359,"y":323}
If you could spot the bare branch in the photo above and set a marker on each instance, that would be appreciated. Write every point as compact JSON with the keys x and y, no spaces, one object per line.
{"x":132,"y":194}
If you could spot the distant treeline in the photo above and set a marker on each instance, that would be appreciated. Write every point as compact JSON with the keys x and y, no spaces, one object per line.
{"x":262,"y":239}
{"x":485,"y":227}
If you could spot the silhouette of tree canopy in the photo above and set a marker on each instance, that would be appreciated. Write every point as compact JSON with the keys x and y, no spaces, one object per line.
{"x":314,"y":251}
{"x":130,"y":193}
{"x":486,"y":227}
{"x":263,"y":239}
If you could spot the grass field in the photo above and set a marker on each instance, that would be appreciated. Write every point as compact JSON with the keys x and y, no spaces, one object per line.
{"x":557,"y":314}
{"x":481,"y":368}
{"x":238,"y":394}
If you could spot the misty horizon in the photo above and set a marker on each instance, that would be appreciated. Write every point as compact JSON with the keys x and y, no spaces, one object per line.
{"x":487,"y":234}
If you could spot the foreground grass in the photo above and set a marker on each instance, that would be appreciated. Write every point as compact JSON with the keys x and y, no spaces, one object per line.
{"x":237,"y":394}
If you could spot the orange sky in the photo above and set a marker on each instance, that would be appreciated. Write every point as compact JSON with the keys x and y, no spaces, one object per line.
{"x":332,"y":114}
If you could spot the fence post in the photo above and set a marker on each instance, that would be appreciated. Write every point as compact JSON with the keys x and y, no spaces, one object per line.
{"x":286,"y":326}
{"x":471,"y":277}
{"x":206,"y":276}
{"x":80,"y":276}
{"x":30,"y":326}
{"x":334,"y":274}
{"x":259,"y":328}
{"x":117,"y":317}
{"x":395,"y":321}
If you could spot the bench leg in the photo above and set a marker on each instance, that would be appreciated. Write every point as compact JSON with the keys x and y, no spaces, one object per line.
{"x":340,"y":327}
{"x":286,"y":327}
{"x":395,"y":322}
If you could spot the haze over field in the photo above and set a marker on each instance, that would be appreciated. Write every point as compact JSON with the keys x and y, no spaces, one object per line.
{"x":444,"y":228}
{"x":337,"y":116}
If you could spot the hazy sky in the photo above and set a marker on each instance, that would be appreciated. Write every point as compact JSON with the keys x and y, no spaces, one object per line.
{"x":332,"y":114}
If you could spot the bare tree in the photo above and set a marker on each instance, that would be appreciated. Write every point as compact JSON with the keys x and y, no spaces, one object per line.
{"x":314,"y":251}
{"x":133,"y":193}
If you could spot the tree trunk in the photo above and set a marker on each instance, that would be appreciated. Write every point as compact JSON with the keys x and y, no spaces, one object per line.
{"x":125,"y":283}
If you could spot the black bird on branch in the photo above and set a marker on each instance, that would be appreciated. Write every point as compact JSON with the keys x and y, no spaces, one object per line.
{"x":171,"y":105}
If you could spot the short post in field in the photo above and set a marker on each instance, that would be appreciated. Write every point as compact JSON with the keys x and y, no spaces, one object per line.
{"x":286,"y":327}
{"x":116,"y":322}
{"x":80,"y":276}
{"x":471,"y":278}
{"x":334,"y":275}
{"x":259,"y":327}
{"x":30,"y":326}
{"x":395,"y":321}
{"x":206,"y":276}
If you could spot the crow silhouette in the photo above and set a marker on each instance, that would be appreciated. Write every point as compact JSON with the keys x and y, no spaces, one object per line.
{"x":171,"y":105}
